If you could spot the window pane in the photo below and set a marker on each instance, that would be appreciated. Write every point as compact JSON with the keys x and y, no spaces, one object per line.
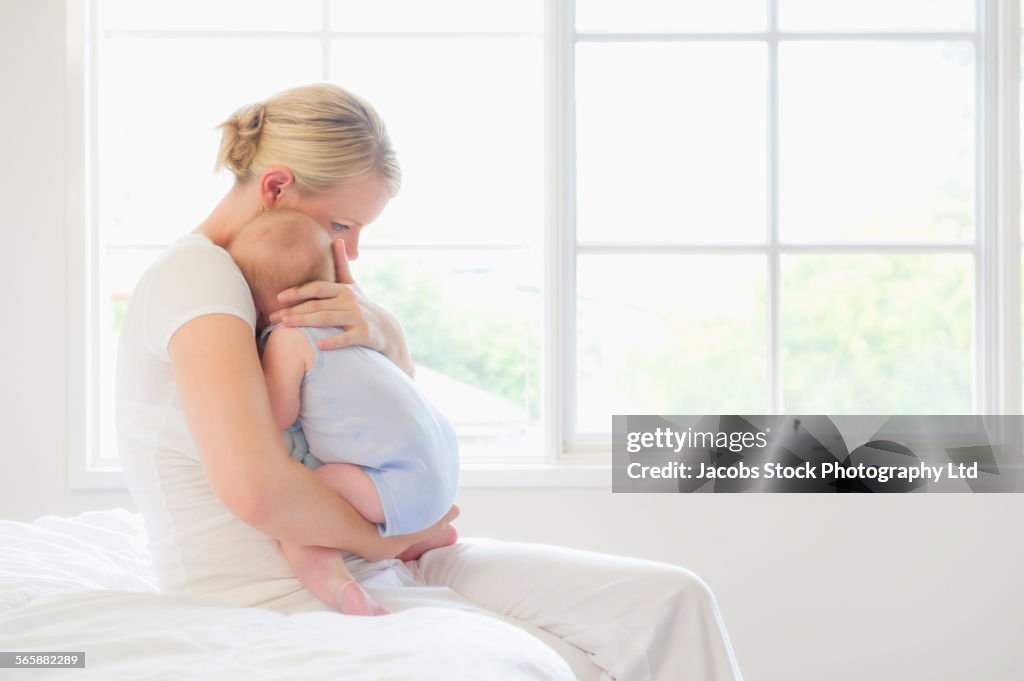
{"x":437,"y":15}
{"x":876,"y":141}
{"x":118,"y":273}
{"x":473,"y":323}
{"x":230,"y":15}
{"x":669,"y":334}
{"x":671,"y":142}
{"x":877,"y":334}
{"x":466,"y":118}
{"x":659,"y":16}
{"x":117,"y":276}
{"x":157,"y":143}
{"x":876,"y":14}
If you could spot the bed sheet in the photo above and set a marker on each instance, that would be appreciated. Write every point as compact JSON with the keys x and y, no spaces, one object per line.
{"x":85,"y":583}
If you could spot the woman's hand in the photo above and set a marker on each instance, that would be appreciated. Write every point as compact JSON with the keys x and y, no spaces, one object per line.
{"x":343,"y":303}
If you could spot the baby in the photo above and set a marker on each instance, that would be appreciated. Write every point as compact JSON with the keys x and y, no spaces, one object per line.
{"x":374,"y":438}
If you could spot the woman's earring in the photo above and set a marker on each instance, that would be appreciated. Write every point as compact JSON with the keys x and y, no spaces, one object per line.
{"x":262,"y":208}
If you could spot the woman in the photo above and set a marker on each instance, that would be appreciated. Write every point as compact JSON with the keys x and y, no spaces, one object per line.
{"x":214,"y":481}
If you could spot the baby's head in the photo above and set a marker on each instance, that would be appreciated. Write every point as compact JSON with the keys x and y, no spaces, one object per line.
{"x":280,"y":249}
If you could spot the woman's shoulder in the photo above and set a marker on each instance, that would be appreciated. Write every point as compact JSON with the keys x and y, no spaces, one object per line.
{"x":195,"y":250}
{"x":196,"y":262}
{"x":191,"y":278}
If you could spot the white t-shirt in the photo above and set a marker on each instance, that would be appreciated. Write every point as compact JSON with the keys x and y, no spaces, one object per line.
{"x":199,"y":547}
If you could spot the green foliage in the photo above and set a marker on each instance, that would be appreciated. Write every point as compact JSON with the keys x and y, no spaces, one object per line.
{"x":495,"y":348}
{"x":877,"y":334}
{"x":866,"y":334}
{"x":118,"y":306}
{"x":859,"y":334}
{"x":679,"y":363}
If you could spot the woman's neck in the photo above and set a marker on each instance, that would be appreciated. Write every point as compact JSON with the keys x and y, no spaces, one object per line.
{"x":239,"y":206}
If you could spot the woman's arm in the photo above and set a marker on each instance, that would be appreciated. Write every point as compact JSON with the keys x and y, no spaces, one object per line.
{"x":224,"y":396}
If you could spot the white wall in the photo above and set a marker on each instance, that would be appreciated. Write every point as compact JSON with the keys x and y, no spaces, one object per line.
{"x":811,"y":587}
{"x":33,"y":366}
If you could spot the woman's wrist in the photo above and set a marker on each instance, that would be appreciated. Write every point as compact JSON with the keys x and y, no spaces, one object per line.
{"x":397,"y":349}
{"x":407,"y":365}
{"x":403,"y":361}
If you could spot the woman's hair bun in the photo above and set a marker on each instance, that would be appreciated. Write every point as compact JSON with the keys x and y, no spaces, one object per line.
{"x":240,"y":138}
{"x":324,"y":134}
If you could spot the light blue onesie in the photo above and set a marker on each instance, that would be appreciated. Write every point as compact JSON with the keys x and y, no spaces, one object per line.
{"x":357,"y":407}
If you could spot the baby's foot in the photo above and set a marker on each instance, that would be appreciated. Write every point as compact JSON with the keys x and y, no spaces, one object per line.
{"x":445,"y":537}
{"x":351,"y":599}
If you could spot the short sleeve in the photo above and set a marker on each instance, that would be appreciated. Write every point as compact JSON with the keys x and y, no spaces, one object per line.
{"x":194,"y":277}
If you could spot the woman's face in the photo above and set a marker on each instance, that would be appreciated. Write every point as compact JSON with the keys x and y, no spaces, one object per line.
{"x":345,"y":210}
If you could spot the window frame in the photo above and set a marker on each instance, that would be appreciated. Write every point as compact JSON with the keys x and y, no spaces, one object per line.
{"x":570,"y":458}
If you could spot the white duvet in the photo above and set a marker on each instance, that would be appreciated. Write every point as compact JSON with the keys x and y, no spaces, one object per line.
{"x":85,"y":584}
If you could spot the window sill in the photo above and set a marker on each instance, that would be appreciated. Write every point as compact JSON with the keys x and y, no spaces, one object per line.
{"x":473,"y":474}
{"x":535,"y":475}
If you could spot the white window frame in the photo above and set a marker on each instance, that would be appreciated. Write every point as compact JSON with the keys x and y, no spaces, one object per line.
{"x":573,"y":459}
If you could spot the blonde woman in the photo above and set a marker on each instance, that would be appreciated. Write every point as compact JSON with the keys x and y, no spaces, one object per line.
{"x":214,"y":481}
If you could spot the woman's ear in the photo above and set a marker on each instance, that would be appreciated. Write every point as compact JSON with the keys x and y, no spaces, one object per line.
{"x":276,"y":183}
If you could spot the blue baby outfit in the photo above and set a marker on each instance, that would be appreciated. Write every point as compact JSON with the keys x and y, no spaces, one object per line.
{"x":357,"y":407}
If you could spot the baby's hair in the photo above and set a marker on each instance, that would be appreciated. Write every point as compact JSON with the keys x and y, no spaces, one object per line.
{"x":323,"y":133}
{"x":279,"y":249}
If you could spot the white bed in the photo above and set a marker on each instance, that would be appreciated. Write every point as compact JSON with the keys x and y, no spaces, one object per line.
{"x":85,"y":584}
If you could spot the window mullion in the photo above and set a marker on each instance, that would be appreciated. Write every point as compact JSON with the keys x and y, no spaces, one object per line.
{"x":999,"y":233}
{"x":558,"y":361}
{"x":87,"y":466}
{"x":325,"y":39}
{"x":1010,"y":203}
{"x":774,"y":401}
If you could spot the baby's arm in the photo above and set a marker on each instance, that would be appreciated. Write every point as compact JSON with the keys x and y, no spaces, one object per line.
{"x":287,"y":357}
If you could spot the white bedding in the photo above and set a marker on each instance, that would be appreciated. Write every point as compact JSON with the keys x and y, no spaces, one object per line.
{"x":85,"y":584}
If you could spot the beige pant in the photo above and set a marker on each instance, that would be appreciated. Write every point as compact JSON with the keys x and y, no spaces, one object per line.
{"x":609,"y":617}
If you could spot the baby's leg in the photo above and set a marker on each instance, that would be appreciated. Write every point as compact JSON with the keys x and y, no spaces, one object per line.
{"x":353,"y":484}
{"x":444,"y":537}
{"x":322,"y":570}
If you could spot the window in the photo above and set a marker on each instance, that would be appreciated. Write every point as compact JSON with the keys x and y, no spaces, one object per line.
{"x":755,"y":206}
